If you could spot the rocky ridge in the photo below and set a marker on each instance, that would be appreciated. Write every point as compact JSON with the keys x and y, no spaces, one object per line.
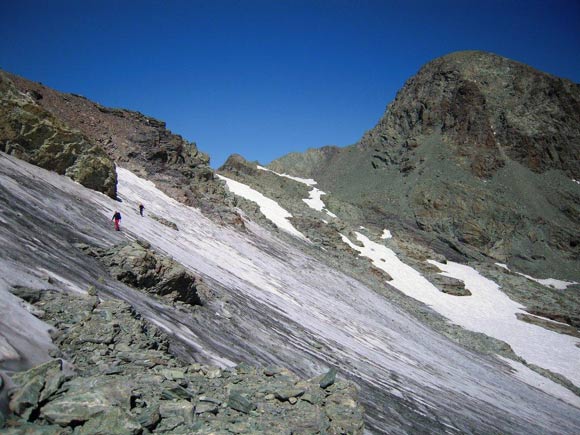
{"x":141,"y":144}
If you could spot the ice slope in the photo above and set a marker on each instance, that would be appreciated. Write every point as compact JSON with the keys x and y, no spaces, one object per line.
{"x":277,"y":304}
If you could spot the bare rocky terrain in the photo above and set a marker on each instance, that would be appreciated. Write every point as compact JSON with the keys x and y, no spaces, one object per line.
{"x":204,"y":316}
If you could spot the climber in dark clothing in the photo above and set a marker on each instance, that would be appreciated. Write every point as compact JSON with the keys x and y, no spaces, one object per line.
{"x":141,"y":208}
{"x":117,"y":219}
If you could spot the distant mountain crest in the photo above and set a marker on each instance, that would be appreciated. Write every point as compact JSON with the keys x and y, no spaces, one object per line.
{"x":489,"y":108}
{"x":476,"y":148}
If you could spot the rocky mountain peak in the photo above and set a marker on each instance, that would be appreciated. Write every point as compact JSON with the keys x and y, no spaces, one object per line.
{"x":489,"y":109}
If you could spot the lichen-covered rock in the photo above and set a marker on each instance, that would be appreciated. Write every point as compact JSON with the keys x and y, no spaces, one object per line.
{"x":31,"y":133}
{"x":86,"y":398}
{"x":113,"y":421}
{"x":139,"y":143}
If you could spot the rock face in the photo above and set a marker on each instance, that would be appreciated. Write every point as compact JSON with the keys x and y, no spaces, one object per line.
{"x":125,"y":382}
{"x":137,"y":142}
{"x":136,"y":265}
{"x":31,"y":133}
{"x":490,"y":109}
{"x":478,"y":149}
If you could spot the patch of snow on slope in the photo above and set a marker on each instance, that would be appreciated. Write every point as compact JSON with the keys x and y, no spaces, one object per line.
{"x":314,"y":200}
{"x":488,"y":310}
{"x":269,"y":208}
{"x":307,"y":181}
{"x":492,"y":312}
{"x":548,"y":282}
{"x":536,"y":380}
{"x":386,"y":235}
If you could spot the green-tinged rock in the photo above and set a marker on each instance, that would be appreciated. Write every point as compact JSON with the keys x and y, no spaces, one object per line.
{"x":31,"y":133}
{"x":285,"y":395}
{"x":95,"y":170}
{"x":25,"y":400}
{"x":344,"y":413}
{"x":173,"y":425}
{"x":178,"y":410}
{"x":87,"y":397}
{"x":54,"y":380}
{"x":40,"y":370}
{"x":213,"y":373}
{"x":172,"y":374}
{"x":173,"y":391}
{"x":240,"y":403}
{"x":35,"y":429}
{"x":114,"y":421}
{"x":207,"y":407}
{"x":149,"y":416}
{"x":328,"y":379}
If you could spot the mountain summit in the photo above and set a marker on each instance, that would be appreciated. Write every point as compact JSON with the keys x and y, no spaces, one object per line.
{"x":477,"y":148}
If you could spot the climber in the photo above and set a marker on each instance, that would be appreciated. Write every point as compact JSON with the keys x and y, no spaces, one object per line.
{"x":117,"y":219}
{"x":141,"y":208}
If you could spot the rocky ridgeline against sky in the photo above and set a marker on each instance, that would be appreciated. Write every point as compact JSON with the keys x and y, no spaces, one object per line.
{"x":481,"y":151}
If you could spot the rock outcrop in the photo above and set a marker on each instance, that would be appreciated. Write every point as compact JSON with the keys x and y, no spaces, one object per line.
{"x":31,"y":133}
{"x":135,"y":264}
{"x":490,"y":109}
{"x":137,"y":142}
{"x":123,"y":380}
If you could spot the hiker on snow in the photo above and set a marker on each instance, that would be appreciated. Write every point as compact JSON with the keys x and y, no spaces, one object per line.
{"x":141,"y":208}
{"x":117,"y":219}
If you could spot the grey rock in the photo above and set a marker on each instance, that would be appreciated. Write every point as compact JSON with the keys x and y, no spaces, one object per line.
{"x":328,"y":379}
{"x":238,"y":402}
{"x":179,"y":410}
{"x":287,"y":394}
{"x":113,"y":421}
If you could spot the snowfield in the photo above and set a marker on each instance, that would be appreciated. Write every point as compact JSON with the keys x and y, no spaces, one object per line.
{"x":278,"y":305}
{"x":487,"y":310}
{"x":314,"y":200}
{"x":269,"y":208}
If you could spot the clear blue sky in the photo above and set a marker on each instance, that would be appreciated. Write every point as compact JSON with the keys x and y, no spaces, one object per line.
{"x":264,"y":78}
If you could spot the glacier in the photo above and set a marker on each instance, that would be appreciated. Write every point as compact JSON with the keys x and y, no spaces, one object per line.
{"x":278,"y":302}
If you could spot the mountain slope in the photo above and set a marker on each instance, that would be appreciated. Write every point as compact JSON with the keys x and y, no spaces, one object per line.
{"x":478,"y":149}
{"x":275,"y":303}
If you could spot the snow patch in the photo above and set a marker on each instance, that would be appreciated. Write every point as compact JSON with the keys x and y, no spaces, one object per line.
{"x":307,"y":181}
{"x":548,"y":282}
{"x":488,"y":310}
{"x":314,"y":201}
{"x":386,"y":235}
{"x":269,"y":208}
